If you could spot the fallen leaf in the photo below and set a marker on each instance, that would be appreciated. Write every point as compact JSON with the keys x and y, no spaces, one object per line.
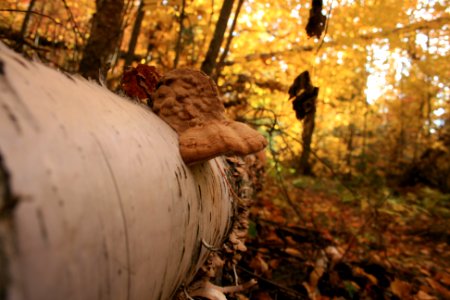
{"x":258,"y":264}
{"x":438,"y":288}
{"x":421,"y":295}
{"x":261,"y":295}
{"x":443,"y":278}
{"x":294,"y":252}
{"x":401,"y":288}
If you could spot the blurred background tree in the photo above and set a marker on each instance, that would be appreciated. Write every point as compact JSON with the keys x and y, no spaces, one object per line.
{"x":104,"y":38}
{"x":381,"y":66}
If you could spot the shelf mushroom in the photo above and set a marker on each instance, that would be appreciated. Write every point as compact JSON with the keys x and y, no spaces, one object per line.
{"x":189,"y":101}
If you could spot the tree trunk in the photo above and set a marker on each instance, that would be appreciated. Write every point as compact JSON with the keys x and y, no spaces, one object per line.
{"x":209,"y":63}
{"x":228,"y":43}
{"x":178,"y":47}
{"x":135,"y":34}
{"x":26,"y":19}
{"x":103,"y":40}
{"x":349,"y":155}
{"x":308,"y":130}
{"x":95,"y":200}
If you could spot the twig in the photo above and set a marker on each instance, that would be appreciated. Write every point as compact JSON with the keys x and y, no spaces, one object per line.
{"x":290,"y":292}
{"x":326,"y":27}
{"x":280,"y":177}
{"x":17,"y":38}
{"x":74,"y":23}
{"x":277,"y":171}
{"x":186,"y":294}
{"x":32,"y":12}
{"x":330,"y":168}
{"x":236,"y":278}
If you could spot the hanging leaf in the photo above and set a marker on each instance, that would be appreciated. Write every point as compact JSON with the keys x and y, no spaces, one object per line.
{"x":304,"y":94}
{"x":316,"y":21}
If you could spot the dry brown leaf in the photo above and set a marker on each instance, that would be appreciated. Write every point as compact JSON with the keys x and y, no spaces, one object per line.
{"x":258,"y":264}
{"x":424,"y":271}
{"x":443,"y":278}
{"x":360,"y":271}
{"x":262,"y":295}
{"x":273,"y":238}
{"x":401,"y":288}
{"x":421,"y":295}
{"x":315,"y":276}
{"x":438,"y":288}
{"x":333,"y":253}
{"x":274,"y":263}
{"x":241,"y":297}
{"x":293,"y":252}
{"x":310,"y":290}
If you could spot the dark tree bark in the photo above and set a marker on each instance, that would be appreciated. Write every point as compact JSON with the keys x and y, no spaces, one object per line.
{"x":228,"y":43}
{"x":308,"y":130}
{"x":209,"y":63}
{"x":104,"y":38}
{"x":26,"y":20}
{"x":135,"y":34}
{"x":350,"y":148}
{"x":304,"y":104}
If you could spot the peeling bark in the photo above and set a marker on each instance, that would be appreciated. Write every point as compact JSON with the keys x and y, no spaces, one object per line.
{"x":105,"y":208}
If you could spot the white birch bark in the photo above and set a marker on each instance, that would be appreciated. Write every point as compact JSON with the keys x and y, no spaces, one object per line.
{"x":106,"y":208}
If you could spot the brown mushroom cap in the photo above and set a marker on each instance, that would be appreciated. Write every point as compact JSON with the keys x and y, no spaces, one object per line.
{"x":189,"y":101}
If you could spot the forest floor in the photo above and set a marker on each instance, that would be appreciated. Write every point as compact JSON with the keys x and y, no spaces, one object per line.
{"x":347,"y":243}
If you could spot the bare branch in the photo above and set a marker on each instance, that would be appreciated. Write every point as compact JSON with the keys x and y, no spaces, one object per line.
{"x":32,"y":12}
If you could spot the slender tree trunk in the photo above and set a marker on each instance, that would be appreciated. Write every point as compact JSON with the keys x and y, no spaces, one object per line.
{"x":180,"y":36}
{"x":209,"y":63}
{"x":398,"y":153}
{"x":103,"y":40}
{"x":308,"y":130}
{"x":26,"y":20}
{"x":152,"y":41}
{"x":349,"y":155}
{"x":135,"y":34}
{"x":196,"y":56}
{"x":228,"y":43}
{"x":364,"y":139}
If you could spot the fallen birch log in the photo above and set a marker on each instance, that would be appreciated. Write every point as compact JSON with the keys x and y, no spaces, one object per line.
{"x":95,"y":200}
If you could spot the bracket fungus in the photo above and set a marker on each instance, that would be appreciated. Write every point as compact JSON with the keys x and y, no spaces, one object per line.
{"x":189,"y":101}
